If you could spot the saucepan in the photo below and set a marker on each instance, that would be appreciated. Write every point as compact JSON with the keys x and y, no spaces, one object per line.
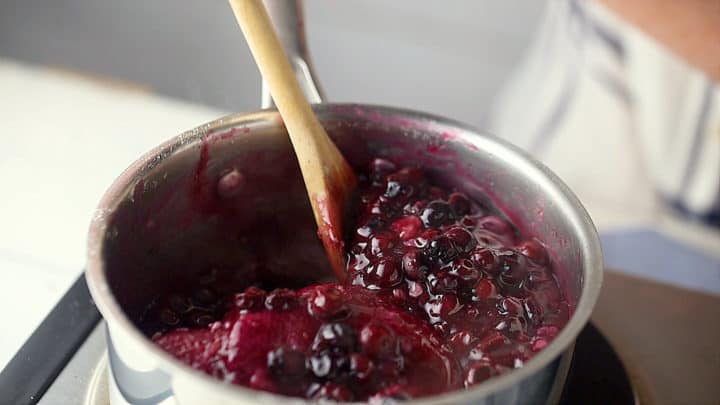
{"x":226,"y":200}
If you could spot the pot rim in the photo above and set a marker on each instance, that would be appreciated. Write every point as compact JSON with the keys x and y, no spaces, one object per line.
{"x":564,"y":198}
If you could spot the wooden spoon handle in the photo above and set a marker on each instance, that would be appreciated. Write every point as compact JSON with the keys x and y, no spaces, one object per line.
{"x":326,"y":173}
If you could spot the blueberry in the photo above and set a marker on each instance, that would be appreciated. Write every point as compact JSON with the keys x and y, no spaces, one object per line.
{"x":384,"y":273}
{"x":329,"y":364}
{"x":382,"y":243}
{"x":462,"y":239}
{"x":335,"y":335}
{"x":513,"y":268}
{"x":440,"y":249}
{"x":413,"y":265}
{"x":485,"y":260}
{"x":443,"y":306}
{"x":442,"y":282}
{"x":436,"y":214}
{"x":281,"y":299}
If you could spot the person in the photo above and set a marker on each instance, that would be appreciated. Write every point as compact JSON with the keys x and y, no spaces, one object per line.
{"x":622,"y":100}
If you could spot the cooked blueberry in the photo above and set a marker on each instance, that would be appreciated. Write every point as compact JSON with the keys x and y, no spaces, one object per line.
{"x":281,"y":299}
{"x":464,"y":270}
{"x":462,"y":239}
{"x":485,"y":260}
{"x":513,"y":268}
{"x":442,"y":282}
{"x":440,"y":249}
{"x":413,"y":265}
{"x":384,"y":273}
{"x":436,"y":214}
{"x":381,"y":243}
{"x":443,"y":306}
{"x":335,"y":335}
{"x":329,"y":364}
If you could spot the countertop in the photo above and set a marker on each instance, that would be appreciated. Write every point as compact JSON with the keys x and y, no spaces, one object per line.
{"x":668,"y":338}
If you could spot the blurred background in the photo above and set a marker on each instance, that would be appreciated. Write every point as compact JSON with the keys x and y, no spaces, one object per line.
{"x":447,"y":58}
{"x":86,"y":86}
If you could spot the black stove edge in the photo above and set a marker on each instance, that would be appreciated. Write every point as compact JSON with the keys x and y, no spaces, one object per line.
{"x":46,"y":352}
{"x":597,"y":374}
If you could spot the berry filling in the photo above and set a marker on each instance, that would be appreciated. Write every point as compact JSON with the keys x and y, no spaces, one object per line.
{"x":441,"y":294}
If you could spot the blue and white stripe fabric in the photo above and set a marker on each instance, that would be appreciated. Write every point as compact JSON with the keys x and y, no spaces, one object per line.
{"x":628,"y":125}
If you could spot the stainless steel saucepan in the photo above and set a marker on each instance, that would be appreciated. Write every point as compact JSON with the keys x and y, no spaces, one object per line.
{"x":163,"y":223}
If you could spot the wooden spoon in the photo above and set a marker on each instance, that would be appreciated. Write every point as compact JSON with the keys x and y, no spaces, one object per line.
{"x":329,"y":179}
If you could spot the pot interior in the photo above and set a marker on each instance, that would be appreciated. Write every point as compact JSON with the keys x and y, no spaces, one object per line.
{"x":173,"y":229}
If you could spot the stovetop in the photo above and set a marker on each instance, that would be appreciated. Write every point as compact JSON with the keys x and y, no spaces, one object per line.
{"x":65,"y":362}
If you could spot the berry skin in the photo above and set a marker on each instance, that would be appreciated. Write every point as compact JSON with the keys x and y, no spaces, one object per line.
{"x":335,"y":335}
{"x":385,"y":273}
{"x":329,"y":364}
{"x":440,"y":249}
{"x":436,"y":214}
{"x":513,"y":268}
{"x":462,"y":239}
{"x":413,"y":265}
{"x":281,"y":299}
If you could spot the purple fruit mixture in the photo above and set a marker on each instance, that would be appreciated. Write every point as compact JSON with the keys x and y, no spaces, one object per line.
{"x":441,"y":294}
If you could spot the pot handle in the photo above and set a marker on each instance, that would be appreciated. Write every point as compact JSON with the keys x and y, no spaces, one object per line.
{"x":287,"y":18}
